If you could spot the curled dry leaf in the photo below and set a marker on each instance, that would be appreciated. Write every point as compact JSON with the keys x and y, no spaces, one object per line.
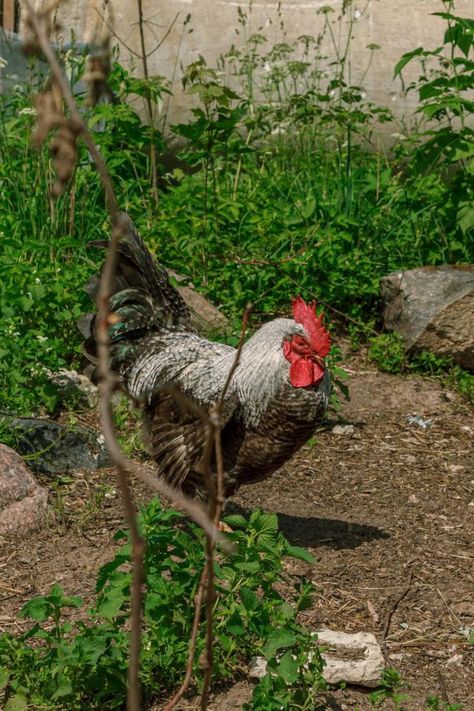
{"x":47,"y":16}
{"x":50,"y":116}
{"x":49,"y":112}
{"x":64,"y":151}
{"x":98,"y":69}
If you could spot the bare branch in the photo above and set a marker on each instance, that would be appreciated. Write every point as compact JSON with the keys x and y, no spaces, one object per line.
{"x":148,"y":104}
{"x":165,"y":36}
{"x":38,"y":25}
{"x":120,"y":224}
{"x":216,"y":507}
{"x":114,"y":34}
{"x":120,"y":227}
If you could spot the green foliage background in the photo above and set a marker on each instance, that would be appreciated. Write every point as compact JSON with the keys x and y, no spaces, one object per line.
{"x":281,"y":191}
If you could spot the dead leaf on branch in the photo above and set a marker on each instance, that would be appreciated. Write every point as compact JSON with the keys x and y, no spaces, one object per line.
{"x":47,"y":16}
{"x":49,"y":113}
{"x":50,"y":116}
{"x":98,"y":70}
{"x":64,"y":151}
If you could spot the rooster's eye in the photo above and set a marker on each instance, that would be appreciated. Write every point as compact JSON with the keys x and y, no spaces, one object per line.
{"x":299,"y":340}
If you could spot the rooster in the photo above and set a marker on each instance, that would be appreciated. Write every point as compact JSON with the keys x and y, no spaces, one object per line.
{"x":277,"y":395}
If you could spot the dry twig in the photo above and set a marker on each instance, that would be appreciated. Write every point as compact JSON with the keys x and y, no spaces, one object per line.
{"x":216,"y":494}
{"x":38,"y":26}
{"x":394,"y":606}
{"x":216,"y":506}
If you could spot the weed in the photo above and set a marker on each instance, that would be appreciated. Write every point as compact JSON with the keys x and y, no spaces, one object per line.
{"x":393,"y":687}
{"x":128,"y":421}
{"x":434,"y":703}
{"x":387,"y":351}
{"x":60,"y":663}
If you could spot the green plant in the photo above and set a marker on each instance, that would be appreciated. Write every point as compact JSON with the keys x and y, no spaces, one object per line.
{"x":387,"y":351}
{"x":446,"y":138}
{"x":392,"y":687}
{"x":44,"y":260}
{"x":283,"y":199}
{"x":463,"y":382}
{"x":434,"y":703}
{"x":128,"y":421}
{"x":72,"y":664}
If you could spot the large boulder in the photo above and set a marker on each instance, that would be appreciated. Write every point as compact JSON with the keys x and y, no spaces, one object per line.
{"x":433,"y":309}
{"x":23,"y":503}
{"x":52,"y":448}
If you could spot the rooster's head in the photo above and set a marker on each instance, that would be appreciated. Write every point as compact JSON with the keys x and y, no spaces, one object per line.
{"x":306,"y":353}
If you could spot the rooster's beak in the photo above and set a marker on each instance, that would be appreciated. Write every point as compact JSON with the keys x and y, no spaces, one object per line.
{"x":319,"y":361}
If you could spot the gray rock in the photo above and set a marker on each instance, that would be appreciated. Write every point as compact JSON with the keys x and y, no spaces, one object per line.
{"x":23,"y":503}
{"x":205,"y":317}
{"x":74,"y":389}
{"x":258,"y":668}
{"x":433,"y":309}
{"x":350,"y":658}
{"x":52,"y":448}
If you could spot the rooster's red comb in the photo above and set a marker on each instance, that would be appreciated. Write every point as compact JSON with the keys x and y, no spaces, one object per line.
{"x":305,"y":314}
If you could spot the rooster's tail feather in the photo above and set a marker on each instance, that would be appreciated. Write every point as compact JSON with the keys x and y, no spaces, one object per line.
{"x":142,"y":300}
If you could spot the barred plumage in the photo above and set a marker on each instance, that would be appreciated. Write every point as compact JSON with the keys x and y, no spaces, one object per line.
{"x":271,"y":407}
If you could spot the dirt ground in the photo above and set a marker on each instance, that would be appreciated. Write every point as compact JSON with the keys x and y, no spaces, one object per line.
{"x":388,"y":512}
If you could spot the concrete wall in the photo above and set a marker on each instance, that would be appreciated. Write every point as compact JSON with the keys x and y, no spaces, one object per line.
{"x":396,"y":25}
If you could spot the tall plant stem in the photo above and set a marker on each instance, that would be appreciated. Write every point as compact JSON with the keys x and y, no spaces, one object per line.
{"x":148,"y":104}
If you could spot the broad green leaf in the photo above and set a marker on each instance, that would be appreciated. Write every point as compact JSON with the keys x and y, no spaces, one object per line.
{"x":38,"y":609}
{"x":236,"y":520}
{"x":288,"y":668}
{"x":300,"y":554}
{"x":465,"y":216}
{"x":279,"y":639}
{"x":113,"y":600}
{"x":63,"y":688}
{"x":249,"y":598}
{"x":4,"y":677}
{"x":407,"y":57}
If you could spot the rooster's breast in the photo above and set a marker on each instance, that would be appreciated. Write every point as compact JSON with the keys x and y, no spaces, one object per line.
{"x":286,"y":424}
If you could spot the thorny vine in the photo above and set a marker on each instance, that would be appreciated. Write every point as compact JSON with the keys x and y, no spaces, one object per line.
{"x":68,"y":126}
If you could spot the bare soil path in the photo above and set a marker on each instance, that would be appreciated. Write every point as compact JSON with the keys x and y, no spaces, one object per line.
{"x":388,"y":512}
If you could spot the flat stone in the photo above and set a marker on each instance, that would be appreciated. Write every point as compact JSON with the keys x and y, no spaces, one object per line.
{"x":344,"y":430}
{"x":23,"y":503}
{"x":433,"y":310}
{"x":52,"y":448}
{"x":351,"y":658}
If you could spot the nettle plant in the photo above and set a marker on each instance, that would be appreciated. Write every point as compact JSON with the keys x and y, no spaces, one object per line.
{"x":66,"y":663}
{"x":446,"y":137}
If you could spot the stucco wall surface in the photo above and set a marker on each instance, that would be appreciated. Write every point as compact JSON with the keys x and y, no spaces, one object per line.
{"x":186,"y":29}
